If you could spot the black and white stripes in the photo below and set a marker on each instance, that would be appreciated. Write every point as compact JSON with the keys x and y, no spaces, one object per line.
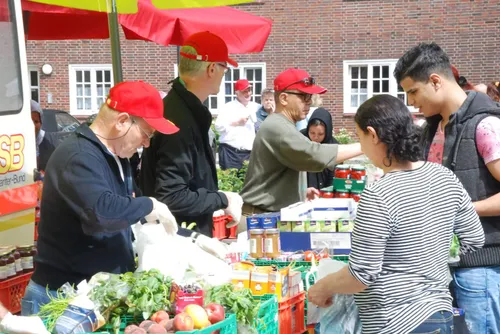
{"x":401,"y":242}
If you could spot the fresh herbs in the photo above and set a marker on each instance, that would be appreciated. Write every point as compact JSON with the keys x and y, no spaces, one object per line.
{"x":239,"y":302}
{"x":51,"y":311}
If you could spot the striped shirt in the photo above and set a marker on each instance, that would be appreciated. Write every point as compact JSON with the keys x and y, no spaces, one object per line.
{"x":401,"y":242}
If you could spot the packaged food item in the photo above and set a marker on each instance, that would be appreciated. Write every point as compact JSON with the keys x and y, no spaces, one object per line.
{"x":27,"y":253}
{"x":345,"y":225}
{"x":17,"y":257}
{"x":285,"y":226}
{"x":342,"y":194}
{"x":298,"y":226}
{"x":342,"y":172}
{"x":256,"y":243}
{"x":241,"y":279}
{"x":328,"y":226}
{"x":253,"y":222}
{"x":4,"y":266}
{"x":356,"y":195}
{"x":358,"y":172}
{"x":272,"y":243}
{"x":269,"y":221}
{"x":313,"y":226}
{"x":326,"y":194}
{"x":259,"y":283}
{"x":278,"y":283}
{"x":10,"y":267}
{"x":186,"y":295}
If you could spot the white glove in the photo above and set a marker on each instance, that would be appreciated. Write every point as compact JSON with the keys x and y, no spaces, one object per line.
{"x":234,"y":208}
{"x":13,"y":324}
{"x":210,"y":245}
{"x":161,"y":214}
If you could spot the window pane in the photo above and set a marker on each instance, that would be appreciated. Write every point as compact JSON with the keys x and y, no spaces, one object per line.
{"x":258,"y":74}
{"x":376,"y":72}
{"x":87,"y":76}
{"x":98,"y":76}
{"x":364,"y":72}
{"x":250,"y":75}
{"x":213,"y":102}
{"x":385,"y":71}
{"x":107,"y":76}
{"x":79,"y":90}
{"x":34,"y":78}
{"x":106,"y":89}
{"x":100,"y":101}
{"x":385,"y":86}
{"x":87,"y":90}
{"x":236,"y":74}
{"x":79,"y":76}
{"x":354,"y":100}
{"x":34,"y":95}
{"x":354,"y":72}
{"x":228,"y":75}
{"x":228,"y":99}
{"x":362,"y":98}
{"x":258,"y":88}
{"x":364,"y":84}
{"x":88,"y":103}
{"x":354,"y":84}
{"x":376,"y":86}
{"x":258,"y":100}
{"x":79,"y":103}
{"x":228,"y":86}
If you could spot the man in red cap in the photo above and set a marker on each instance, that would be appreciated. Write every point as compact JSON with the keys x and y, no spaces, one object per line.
{"x":88,"y":203}
{"x":236,"y":126}
{"x":180,"y":170}
{"x":280,"y":152}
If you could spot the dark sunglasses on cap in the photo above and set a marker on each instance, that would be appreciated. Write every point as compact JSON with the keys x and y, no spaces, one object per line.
{"x":307,"y":82}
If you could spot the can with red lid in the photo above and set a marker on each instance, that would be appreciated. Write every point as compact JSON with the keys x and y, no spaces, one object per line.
{"x":342,"y":194}
{"x":342,"y":172}
{"x":358,"y":172}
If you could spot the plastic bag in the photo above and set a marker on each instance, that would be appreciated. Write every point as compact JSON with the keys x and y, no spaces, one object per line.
{"x":342,"y":317}
{"x":158,"y":250}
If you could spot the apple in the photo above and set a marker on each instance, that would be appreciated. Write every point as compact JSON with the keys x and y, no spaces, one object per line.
{"x":199,"y":316}
{"x":157,"y":328}
{"x":168,"y":324}
{"x":183,"y":322}
{"x":215,"y":312}
{"x":146,"y":324}
{"x":159,"y":316}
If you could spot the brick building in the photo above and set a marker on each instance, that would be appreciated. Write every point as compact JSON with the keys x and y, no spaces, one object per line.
{"x":350,"y":46}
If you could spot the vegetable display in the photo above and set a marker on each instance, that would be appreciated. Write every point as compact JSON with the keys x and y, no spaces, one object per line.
{"x":239,"y":302}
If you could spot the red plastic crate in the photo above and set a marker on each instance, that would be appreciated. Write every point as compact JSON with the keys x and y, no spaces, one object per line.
{"x":291,"y":315}
{"x":219,"y":230}
{"x":12,"y":290}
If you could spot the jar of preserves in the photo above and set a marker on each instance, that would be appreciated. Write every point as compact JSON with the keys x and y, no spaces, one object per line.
{"x":17,"y":257}
{"x":27,"y":253}
{"x":342,"y":194}
{"x":356,"y":195}
{"x":358,"y":172}
{"x":326,"y":194}
{"x":342,"y":172}
{"x":272,"y":244}
{"x":3,"y":264}
{"x":11,"y":262}
{"x":257,"y":243}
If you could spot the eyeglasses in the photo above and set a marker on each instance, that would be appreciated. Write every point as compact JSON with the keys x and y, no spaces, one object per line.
{"x":148,"y":135}
{"x":304,"y":96}
{"x":224,"y":66}
{"x":307,"y":82}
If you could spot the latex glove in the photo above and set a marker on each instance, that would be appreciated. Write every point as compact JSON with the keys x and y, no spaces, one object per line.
{"x":210,"y":245}
{"x":13,"y":324}
{"x":234,"y":207}
{"x":161,"y":214}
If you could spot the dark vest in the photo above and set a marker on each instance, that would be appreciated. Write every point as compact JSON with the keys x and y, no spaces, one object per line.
{"x":460,"y":154}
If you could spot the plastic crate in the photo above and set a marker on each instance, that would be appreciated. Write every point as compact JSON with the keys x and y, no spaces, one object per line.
{"x":219,"y":228}
{"x":267,"y":318}
{"x":12,"y":290}
{"x":291,"y":315}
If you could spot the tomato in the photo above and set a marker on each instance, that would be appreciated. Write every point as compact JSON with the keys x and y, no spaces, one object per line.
{"x":309,"y":256}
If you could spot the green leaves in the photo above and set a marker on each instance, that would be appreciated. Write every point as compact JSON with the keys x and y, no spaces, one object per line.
{"x":232,"y":179}
{"x":239,"y":302}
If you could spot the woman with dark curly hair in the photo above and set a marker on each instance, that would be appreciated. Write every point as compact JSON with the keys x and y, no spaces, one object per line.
{"x":493,"y":91}
{"x":398,"y":265}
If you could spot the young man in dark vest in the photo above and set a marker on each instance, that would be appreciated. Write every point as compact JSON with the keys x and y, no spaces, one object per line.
{"x":462,"y":132}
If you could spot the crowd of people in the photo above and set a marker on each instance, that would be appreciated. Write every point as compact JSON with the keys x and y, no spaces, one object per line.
{"x":440,"y":179}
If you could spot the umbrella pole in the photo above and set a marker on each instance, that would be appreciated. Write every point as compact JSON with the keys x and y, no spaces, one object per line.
{"x":114,"y":36}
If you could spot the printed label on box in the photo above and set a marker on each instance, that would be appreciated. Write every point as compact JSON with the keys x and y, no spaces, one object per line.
{"x":330,"y":240}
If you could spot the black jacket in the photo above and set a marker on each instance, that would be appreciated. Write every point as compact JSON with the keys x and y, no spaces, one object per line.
{"x":179,"y":170}
{"x":325,"y":178}
{"x":86,"y":213}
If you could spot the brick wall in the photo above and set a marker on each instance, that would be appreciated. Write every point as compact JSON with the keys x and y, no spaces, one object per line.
{"x":316,"y":35}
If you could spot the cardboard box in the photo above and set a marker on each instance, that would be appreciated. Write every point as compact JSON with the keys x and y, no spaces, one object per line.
{"x":253,"y":222}
{"x":240,"y":279}
{"x":328,"y":225}
{"x":278,"y":283}
{"x":348,"y":184}
{"x":345,"y":225}
{"x":313,"y":226}
{"x":332,"y":208}
{"x":285,"y":226}
{"x":259,"y":282}
{"x":298,"y":226}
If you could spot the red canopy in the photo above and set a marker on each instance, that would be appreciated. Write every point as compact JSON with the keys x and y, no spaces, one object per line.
{"x":243,"y":32}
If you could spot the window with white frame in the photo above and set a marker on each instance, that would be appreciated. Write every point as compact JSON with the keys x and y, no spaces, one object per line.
{"x":255,"y":73}
{"x":34,"y":78}
{"x":89,"y":87}
{"x":364,"y":79}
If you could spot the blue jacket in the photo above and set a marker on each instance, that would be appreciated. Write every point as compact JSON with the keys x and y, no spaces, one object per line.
{"x":86,"y":213}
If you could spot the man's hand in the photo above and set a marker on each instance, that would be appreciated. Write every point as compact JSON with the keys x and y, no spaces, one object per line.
{"x":233,"y":208}
{"x":242,"y":121}
{"x":210,"y":245}
{"x":312,"y":193}
{"x":162,"y":214}
{"x":13,"y":324}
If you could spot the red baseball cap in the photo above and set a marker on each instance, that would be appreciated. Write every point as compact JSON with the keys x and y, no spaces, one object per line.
{"x":241,"y":84}
{"x":140,"y":99}
{"x":295,"y":79}
{"x":210,"y":48}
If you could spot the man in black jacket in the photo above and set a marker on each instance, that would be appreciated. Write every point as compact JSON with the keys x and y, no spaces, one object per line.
{"x":463,"y":134}
{"x":180,"y":170}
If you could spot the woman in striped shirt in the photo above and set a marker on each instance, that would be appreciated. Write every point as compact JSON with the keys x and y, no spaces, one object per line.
{"x":398,"y":264}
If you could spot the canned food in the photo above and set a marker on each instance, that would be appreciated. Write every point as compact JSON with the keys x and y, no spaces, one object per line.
{"x":342,"y":172}
{"x":358,"y":172}
{"x":342,"y":194}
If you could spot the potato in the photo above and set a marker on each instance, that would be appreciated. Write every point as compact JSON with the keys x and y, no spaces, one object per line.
{"x":157,"y":328}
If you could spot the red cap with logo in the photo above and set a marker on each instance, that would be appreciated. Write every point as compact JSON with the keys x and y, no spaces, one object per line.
{"x":295,"y":79}
{"x":140,"y":99}
{"x":210,"y":48}
{"x":241,"y":84}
